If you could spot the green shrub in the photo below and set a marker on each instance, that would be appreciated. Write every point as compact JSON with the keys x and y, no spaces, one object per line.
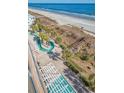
{"x":84,"y":80}
{"x":58,"y":39}
{"x":84,"y":57}
{"x":73,"y":68}
{"x":89,"y":82}
{"x":62,"y":46}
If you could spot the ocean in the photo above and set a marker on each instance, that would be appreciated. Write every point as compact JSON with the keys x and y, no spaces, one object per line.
{"x":75,"y":9}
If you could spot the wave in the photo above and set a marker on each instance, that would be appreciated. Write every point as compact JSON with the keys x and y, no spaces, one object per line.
{"x":88,"y":17}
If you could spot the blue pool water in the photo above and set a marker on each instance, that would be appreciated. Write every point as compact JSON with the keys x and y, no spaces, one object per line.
{"x":40,"y":45}
{"x":60,"y":85}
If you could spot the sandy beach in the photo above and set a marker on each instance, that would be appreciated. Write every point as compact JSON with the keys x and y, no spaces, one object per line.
{"x":63,"y":19}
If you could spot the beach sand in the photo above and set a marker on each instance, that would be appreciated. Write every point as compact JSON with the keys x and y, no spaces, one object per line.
{"x":63,"y":19}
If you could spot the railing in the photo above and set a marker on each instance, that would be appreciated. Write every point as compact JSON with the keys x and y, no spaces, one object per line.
{"x":40,"y":88}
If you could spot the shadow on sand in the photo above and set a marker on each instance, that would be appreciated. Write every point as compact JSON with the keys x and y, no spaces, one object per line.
{"x":77,"y":84}
{"x":54,"y":55}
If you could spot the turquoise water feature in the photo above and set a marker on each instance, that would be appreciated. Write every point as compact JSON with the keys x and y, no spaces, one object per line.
{"x":45,"y":49}
{"x":60,"y":85}
{"x":40,"y":43}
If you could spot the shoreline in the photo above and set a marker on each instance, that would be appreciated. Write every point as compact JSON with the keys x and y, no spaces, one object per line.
{"x":61,"y":19}
{"x":73,"y":14}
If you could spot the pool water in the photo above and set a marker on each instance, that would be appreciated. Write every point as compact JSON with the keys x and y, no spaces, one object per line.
{"x":60,"y":85}
{"x":39,"y":43}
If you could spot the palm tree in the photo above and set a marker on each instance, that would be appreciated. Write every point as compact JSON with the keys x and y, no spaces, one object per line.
{"x":47,"y":29}
{"x":33,"y":28}
{"x":58,"y":39}
{"x":53,"y":34}
{"x":40,"y":26}
{"x":92,"y":81}
{"x":46,"y":38}
{"x":36,"y":27}
{"x":43,"y":37}
{"x":67,"y":55}
{"x":37,"y":21}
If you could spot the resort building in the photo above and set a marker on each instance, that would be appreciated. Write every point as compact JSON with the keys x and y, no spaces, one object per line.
{"x":31,"y":20}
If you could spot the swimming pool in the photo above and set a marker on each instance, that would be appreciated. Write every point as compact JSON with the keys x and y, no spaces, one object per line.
{"x":54,"y":81}
{"x":40,"y":44}
{"x":60,"y":85}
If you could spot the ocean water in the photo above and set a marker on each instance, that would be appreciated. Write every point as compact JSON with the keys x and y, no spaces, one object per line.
{"x":77,"y":9}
